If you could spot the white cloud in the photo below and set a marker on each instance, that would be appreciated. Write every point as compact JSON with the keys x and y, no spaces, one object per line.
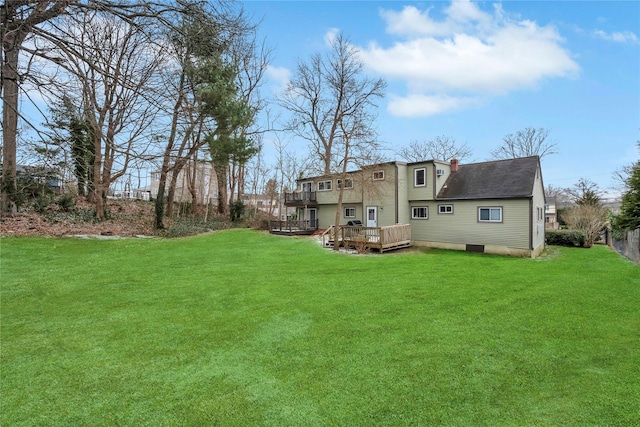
{"x":280,"y":77}
{"x":618,"y":36}
{"x":417,"y":105}
{"x":468,"y":51}
{"x":331,"y":35}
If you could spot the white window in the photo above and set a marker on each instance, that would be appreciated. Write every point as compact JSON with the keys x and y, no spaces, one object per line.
{"x":324,"y":185}
{"x":420,"y":212}
{"x":349,"y":212}
{"x":490,"y":214}
{"x":445,"y":209}
{"x":420,"y":177}
{"x":348,"y":184}
{"x":378,"y":175}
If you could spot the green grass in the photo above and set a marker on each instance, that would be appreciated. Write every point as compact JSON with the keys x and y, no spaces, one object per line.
{"x":240,"y":328}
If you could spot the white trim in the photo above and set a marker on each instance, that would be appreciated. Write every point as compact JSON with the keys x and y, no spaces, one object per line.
{"x":491,"y":210}
{"x":424,"y":177}
{"x":445,"y":211}
{"x":347,"y":181}
{"x":350,"y":208}
{"x":416,"y":212}
{"x":372,"y":221}
{"x":380,"y":174}
{"x":327,"y":184}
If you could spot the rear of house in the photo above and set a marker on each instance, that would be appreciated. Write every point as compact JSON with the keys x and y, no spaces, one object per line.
{"x":492,"y":207}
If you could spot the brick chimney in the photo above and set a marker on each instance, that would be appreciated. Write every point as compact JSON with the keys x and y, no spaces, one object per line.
{"x":454,"y":165}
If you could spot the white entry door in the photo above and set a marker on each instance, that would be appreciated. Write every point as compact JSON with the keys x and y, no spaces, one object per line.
{"x":372,"y":216}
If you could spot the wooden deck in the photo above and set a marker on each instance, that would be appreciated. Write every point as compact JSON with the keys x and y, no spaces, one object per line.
{"x":293,"y":228}
{"x":381,"y":239}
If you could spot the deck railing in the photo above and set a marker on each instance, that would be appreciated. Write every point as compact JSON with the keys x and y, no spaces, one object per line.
{"x":381,"y":238}
{"x":292,"y":226}
{"x":300,"y":197}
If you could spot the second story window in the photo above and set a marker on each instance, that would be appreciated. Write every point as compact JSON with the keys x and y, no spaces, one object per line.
{"x":324,"y":185}
{"x":378,"y":175}
{"x":420,"y":177}
{"x":306,"y":187}
{"x":348,"y":183}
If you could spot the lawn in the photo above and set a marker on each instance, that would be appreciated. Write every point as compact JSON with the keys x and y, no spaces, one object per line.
{"x":241,"y":328}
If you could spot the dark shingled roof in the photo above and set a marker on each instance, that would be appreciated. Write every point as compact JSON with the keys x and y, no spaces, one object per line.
{"x":500,"y":179}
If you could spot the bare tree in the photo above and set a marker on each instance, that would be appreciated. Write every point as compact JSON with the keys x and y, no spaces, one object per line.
{"x":525,"y":143}
{"x":328,"y":96}
{"x":21,"y":24}
{"x":590,"y":219}
{"x":111,"y":64}
{"x":621,"y":175}
{"x":331,"y":101}
{"x":561,"y":195}
{"x":439,"y":148}
{"x":288,"y":169}
{"x":251,"y":58}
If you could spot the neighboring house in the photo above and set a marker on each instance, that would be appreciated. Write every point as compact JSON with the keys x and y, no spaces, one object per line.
{"x":493,"y":207}
{"x":262,"y":202}
{"x":206,"y":183}
{"x":551,"y":214}
{"x":137,"y":194}
{"x":51,"y":177}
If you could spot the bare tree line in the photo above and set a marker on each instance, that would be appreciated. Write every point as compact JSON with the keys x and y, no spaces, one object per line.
{"x":170,"y":84}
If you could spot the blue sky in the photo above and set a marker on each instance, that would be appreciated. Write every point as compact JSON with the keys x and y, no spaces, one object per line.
{"x":477,"y":71}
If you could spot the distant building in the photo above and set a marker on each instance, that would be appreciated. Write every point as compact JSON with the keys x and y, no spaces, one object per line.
{"x":205,"y":183}
{"x":551,"y":214}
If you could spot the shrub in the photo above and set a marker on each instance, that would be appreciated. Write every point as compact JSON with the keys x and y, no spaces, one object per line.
{"x":237,"y":210}
{"x":566,"y":238}
{"x":66,"y":202}
{"x":42,"y":202}
{"x":587,"y":218}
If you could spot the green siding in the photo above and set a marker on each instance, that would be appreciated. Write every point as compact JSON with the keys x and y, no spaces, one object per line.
{"x":463,"y":226}
{"x":395,"y":195}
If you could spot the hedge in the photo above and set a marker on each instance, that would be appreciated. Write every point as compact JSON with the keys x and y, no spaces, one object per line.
{"x":566,"y":238}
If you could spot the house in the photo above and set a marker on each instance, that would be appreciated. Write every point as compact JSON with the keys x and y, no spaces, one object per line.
{"x":262,"y":202}
{"x":493,"y":207}
{"x":551,"y":214}
{"x":50,"y":177}
{"x":204,"y":181}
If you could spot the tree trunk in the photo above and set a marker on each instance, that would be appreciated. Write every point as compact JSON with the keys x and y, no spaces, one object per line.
{"x":10,"y":122}
{"x":221,"y":174}
{"x":159,"y":203}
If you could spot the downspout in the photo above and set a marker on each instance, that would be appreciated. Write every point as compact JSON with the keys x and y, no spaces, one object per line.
{"x":531,"y":223}
{"x":396,"y":193}
{"x":433,"y":180}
